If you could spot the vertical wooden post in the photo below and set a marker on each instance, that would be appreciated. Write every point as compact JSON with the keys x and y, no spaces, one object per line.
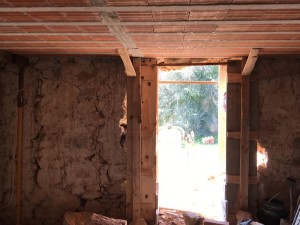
{"x":148,"y":151}
{"x":19,"y":146}
{"x":136,"y":145}
{"x":244,"y":143}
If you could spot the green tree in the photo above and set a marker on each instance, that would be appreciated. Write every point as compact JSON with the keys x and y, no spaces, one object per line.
{"x":193,"y":107}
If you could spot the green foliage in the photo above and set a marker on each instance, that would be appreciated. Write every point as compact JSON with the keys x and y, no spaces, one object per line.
{"x":190,"y":106}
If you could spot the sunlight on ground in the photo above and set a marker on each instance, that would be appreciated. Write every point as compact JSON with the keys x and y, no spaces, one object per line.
{"x":191,"y":179}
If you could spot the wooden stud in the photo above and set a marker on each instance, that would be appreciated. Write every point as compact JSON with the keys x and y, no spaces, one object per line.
{"x":149,"y":126}
{"x":250,"y":63}
{"x":127,"y":62}
{"x":244,"y":143}
{"x":129,"y":149}
{"x":137,"y":114}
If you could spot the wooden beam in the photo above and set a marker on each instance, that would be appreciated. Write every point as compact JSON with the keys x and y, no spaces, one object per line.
{"x":156,"y":23}
{"x":120,"y":33}
{"x":139,"y":8}
{"x":187,"y":82}
{"x":129,"y":69}
{"x":159,"y":49}
{"x":250,"y":63}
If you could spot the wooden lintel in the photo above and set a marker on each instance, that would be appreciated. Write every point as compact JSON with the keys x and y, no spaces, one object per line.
{"x":231,"y":179}
{"x":237,"y":135}
{"x":250,"y":63}
{"x":127,"y":62}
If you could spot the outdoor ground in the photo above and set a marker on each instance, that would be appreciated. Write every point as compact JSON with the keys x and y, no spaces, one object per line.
{"x":191,"y":178}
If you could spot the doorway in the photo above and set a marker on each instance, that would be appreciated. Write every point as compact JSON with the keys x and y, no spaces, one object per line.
{"x":190,"y":155}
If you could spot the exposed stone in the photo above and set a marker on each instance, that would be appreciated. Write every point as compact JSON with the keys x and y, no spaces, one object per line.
{"x":279,"y":129}
{"x":71,"y":137}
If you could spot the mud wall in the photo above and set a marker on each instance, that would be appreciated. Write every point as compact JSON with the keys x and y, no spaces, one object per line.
{"x":279,"y":126}
{"x":72,"y":156}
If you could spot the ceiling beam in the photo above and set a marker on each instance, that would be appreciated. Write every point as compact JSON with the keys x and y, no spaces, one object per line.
{"x":129,"y":69}
{"x":154,"y":8}
{"x":150,"y":48}
{"x":120,"y":33}
{"x":150,"y":34}
{"x":250,"y":63}
{"x":131,"y":42}
{"x":153,"y":23}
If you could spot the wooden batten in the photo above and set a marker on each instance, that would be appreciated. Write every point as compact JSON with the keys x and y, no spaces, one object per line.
{"x":129,"y":69}
{"x":237,"y":135}
{"x":230,"y":179}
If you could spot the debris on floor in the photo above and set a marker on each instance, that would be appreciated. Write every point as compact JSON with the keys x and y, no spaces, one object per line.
{"x":191,"y":218}
{"x":245,"y":218}
{"x":177,"y":217}
{"x":89,"y":218}
{"x":170,"y":217}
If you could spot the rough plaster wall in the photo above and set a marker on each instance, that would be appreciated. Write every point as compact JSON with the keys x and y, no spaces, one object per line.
{"x":72,"y":157}
{"x":279,"y":126}
{"x":8,"y":131}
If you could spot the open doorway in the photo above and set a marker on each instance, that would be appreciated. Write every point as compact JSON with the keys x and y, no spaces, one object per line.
{"x":190,"y":161}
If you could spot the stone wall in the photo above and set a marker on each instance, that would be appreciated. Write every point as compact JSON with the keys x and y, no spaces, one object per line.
{"x":72,"y":156}
{"x":279,"y":126}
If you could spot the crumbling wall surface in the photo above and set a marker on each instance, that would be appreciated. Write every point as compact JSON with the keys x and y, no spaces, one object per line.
{"x":8,"y":135}
{"x":279,"y":126}
{"x":72,"y":157}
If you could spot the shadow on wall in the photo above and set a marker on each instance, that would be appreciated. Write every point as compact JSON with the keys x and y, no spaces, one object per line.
{"x":72,"y":159}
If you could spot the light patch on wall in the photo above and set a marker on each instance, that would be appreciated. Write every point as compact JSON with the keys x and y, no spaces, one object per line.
{"x":262,"y":156}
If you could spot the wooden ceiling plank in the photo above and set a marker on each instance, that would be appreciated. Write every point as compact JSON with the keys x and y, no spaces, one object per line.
{"x":216,"y":7}
{"x":129,"y":69}
{"x":154,"y":23}
{"x":149,"y":34}
{"x":250,"y":63}
{"x":185,"y":43}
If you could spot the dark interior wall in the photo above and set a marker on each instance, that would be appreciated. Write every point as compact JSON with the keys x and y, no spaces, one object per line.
{"x":279,"y":125}
{"x":72,"y":156}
